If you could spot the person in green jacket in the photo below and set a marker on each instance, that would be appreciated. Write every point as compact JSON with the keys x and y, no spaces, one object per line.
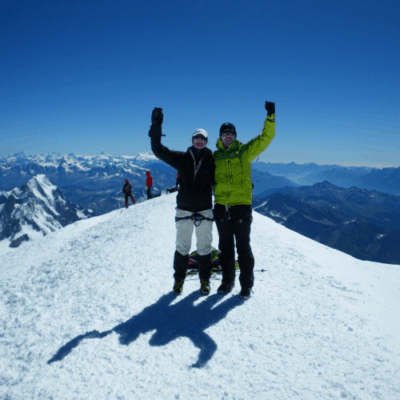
{"x":233,"y":199}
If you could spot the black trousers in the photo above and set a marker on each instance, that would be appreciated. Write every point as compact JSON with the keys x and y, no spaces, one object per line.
{"x":233,"y":224}
{"x":127,"y":196}
{"x":149,"y":195}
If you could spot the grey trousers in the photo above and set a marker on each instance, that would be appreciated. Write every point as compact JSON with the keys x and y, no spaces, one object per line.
{"x":184,"y":232}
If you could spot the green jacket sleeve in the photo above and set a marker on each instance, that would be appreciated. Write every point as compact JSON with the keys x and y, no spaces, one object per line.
{"x":256,"y":146}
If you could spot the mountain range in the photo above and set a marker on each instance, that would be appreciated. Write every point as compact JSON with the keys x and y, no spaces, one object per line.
{"x":34,"y":210}
{"x":92,"y":182}
{"x":95,"y":183}
{"x":385,"y":180}
{"x":264,"y":181}
{"x":362,"y":223}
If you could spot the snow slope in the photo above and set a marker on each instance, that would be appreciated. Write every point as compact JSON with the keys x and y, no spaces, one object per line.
{"x":87,"y":313}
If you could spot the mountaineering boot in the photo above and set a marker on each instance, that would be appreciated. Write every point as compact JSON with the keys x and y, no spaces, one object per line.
{"x":225,"y":288}
{"x":205,"y":287}
{"x":245,"y":293}
{"x":205,"y":267}
{"x":180,"y":267}
{"x":126,"y":205}
{"x":178,"y":287}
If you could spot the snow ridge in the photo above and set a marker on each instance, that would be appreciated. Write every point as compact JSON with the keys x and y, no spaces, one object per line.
{"x":87,"y":312}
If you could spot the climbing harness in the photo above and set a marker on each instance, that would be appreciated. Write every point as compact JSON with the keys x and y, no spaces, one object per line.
{"x":196,"y":217}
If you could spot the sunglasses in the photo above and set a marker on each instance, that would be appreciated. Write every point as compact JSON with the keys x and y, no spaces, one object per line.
{"x":227,"y":136}
{"x":199,"y":139}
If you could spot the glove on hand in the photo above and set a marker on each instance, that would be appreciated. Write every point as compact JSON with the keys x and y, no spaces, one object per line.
{"x":156,"y":121}
{"x":270,"y":107}
{"x":157,"y":116}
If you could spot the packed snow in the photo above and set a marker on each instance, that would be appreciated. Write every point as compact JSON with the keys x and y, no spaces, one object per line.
{"x":87,"y":312}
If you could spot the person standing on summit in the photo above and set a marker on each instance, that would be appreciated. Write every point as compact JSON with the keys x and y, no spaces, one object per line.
{"x":149,"y":184}
{"x":233,"y":199}
{"x":194,"y":200}
{"x":127,"y":191}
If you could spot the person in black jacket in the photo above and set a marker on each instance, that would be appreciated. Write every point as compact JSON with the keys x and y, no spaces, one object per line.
{"x":194,"y":200}
{"x":127,"y":191}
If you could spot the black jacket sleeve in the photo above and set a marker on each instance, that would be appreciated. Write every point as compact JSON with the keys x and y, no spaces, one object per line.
{"x":173,"y":158}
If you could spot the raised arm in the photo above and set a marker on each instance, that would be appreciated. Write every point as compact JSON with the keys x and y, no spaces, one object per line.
{"x":256,"y":146}
{"x":173,"y":158}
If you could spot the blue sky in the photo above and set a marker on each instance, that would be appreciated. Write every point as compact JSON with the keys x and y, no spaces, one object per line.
{"x":83,"y":76}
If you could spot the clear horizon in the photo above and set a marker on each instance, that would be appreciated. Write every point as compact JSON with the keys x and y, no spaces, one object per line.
{"x":84,"y":77}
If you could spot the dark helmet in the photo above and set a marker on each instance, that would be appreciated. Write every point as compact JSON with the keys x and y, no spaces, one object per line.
{"x":227,"y":127}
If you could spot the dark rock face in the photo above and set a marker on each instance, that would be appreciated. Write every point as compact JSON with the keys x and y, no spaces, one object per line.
{"x":17,"y":242}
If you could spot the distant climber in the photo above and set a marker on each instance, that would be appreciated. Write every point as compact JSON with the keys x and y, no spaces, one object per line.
{"x":149,"y":185}
{"x":127,"y":191}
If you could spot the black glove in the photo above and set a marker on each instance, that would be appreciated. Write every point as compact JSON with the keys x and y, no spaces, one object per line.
{"x":155,"y":132}
{"x":157,"y":116}
{"x":156,"y":121}
{"x":270,"y":107}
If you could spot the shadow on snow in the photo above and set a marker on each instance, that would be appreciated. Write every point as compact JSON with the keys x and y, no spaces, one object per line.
{"x":182,"y":319}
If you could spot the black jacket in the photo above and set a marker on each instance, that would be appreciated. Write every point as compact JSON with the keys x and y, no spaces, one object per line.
{"x":195,"y":189}
{"x":127,"y":188}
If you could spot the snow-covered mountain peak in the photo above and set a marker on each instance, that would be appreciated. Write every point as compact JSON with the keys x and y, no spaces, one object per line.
{"x":146,"y":156}
{"x":33,"y":210}
{"x":104,"y":156}
{"x":87,"y":312}
{"x":16,"y":157}
{"x":41,"y":188}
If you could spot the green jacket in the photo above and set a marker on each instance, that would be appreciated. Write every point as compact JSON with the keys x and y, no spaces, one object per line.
{"x":233,"y":184}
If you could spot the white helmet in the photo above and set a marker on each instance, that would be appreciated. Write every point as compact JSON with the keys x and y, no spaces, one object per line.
{"x":200,"y":132}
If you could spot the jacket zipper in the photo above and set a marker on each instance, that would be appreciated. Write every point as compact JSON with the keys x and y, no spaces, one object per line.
{"x":230,"y":171}
{"x":230,"y":180}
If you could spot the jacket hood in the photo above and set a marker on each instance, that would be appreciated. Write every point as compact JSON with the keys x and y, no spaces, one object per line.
{"x":148,"y":173}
